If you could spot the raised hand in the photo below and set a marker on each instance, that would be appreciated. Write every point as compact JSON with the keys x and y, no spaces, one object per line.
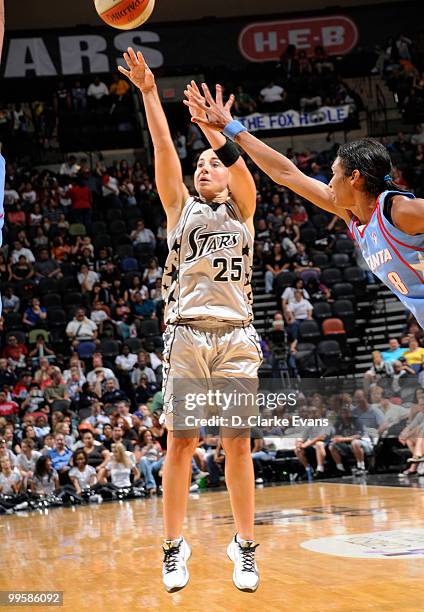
{"x":139,"y":72}
{"x":217,"y":113}
{"x":193,"y":107}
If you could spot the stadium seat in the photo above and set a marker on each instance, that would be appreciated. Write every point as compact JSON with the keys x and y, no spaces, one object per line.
{"x":85,"y":350}
{"x":354,"y":275}
{"x":48,"y":285}
{"x":74,"y":299}
{"x":282,"y":281}
{"x":344,"y":309}
{"x":51,"y":301}
{"x":32,"y":336}
{"x":119,"y":239}
{"x":320,"y":221}
{"x":102,"y":240}
{"x":308,"y":235}
{"x":67,"y":283}
{"x":330,"y":355}
{"x":125,"y":250}
{"x":114,"y":214}
{"x":77,"y":229}
{"x":343,"y":291}
{"x":13,"y":321}
{"x":309,"y":331}
{"x":306,"y":360}
{"x":132,"y":212}
{"x":149,"y":327}
{"x":56,"y":319}
{"x":308,"y":275}
{"x":334,"y":328}
{"x":99,"y":227}
{"x":320,"y":260}
{"x":331,"y":276}
{"x":143,"y":249}
{"x":117,"y":227}
{"x":322,"y":311}
{"x":128,"y":264}
{"x":110,"y":348}
{"x":135,"y":344}
{"x":340,"y":260}
{"x":344,"y":245}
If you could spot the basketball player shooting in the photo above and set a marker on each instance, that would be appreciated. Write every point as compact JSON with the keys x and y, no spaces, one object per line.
{"x":208,"y":312}
{"x":386,"y":223}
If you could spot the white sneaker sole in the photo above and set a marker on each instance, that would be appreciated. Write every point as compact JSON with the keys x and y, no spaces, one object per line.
{"x":178,"y":588}
{"x":240,"y":588}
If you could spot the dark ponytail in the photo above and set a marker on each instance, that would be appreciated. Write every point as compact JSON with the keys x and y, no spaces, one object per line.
{"x":373,"y":162}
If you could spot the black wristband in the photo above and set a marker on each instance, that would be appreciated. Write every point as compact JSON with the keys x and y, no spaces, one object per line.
{"x":228,"y":153}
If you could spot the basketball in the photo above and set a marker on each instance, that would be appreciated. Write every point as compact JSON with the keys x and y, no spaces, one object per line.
{"x":124,"y":14}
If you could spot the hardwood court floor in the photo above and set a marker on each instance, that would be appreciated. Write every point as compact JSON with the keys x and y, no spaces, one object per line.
{"x":108,"y":557}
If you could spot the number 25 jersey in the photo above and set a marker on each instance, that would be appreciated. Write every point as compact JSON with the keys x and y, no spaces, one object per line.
{"x":395,"y":257}
{"x":208,"y":271}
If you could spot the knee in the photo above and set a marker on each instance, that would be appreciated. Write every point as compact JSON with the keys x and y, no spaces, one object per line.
{"x":236,"y":447}
{"x":182,"y":447}
{"x":356,"y":444}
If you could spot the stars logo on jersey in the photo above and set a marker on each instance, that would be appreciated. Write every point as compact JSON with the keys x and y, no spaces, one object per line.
{"x":419,"y":266}
{"x":204,"y":243}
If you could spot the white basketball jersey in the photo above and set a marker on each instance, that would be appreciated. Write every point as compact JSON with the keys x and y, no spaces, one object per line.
{"x":209,"y":267}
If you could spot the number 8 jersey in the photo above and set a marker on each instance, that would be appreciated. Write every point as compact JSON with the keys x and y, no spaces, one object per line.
{"x":209,"y":267}
{"x":395,"y":257}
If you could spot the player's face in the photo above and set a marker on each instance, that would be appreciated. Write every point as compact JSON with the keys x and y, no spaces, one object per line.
{"x":340,"y":185}
{"x":211,"y":176}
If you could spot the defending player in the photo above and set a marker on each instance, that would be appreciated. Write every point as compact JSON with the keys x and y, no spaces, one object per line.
{"x":206,"y":287}
{"x":387,"y":224}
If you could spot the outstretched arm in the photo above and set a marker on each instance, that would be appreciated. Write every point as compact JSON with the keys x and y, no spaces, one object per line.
{"x":241,"y":183}
{"x":274,"y":164}
{"x":168,"y":173}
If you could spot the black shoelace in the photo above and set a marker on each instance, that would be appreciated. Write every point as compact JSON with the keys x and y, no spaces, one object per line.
{"x":171,"y":557}
{"x":248,"y":558}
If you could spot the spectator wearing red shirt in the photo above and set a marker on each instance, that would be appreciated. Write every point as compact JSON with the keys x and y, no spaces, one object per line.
{"x":15,"y":352}
{"x":17,"y":216}
{"x":82,"y":201}
{"x":7,"y":407}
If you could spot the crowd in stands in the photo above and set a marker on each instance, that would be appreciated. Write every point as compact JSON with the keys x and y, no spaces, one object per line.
{"x":81,"y":347}
{"x":401,"y":62}
{"x":80,"y":334}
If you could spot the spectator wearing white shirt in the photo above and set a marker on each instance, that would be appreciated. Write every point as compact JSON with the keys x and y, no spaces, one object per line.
{"x":97,"y":92}
{"x":127,"y":360}
{"x":393,"y":414}
{"x":142,"y":235}
{"x":18,"y":250}
{"x":87,"y":278}
{"x":81,"y":328}
{"x":97,"y":368}
{"x":272,"y":97}
{"x":142,"y":368}
{"x":288,"y":294}
{"x":70,"y":167}
{"x":297,"y":311}
{"x":11,"y":196}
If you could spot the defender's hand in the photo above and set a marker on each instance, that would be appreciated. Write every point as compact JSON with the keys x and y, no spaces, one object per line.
{"x":217,"y":113}
{"x":139,"y":72}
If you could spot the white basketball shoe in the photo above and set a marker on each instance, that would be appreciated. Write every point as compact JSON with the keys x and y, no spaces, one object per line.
{"x":242,"y":554}
{"x":174,"y":570}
